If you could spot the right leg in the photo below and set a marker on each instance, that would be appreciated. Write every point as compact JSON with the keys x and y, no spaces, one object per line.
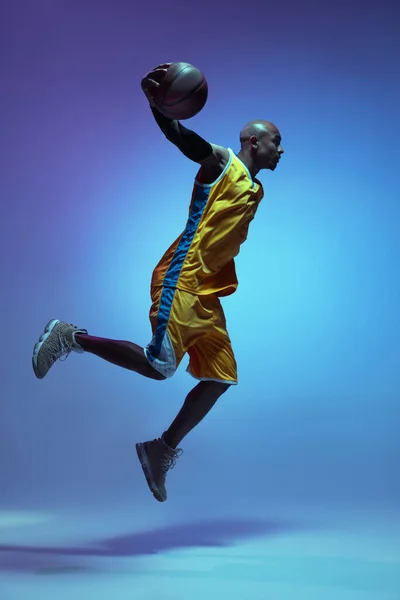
{"x":60,"y":338}
{"x":123,"y":354}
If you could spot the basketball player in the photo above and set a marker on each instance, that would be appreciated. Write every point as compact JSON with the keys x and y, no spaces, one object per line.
{"x":186,"y":314}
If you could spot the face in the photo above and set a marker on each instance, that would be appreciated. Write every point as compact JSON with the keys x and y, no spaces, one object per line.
{"x":267,"y":149}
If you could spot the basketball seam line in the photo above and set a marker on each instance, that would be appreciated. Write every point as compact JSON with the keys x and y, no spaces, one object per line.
{"x":184,"y":97}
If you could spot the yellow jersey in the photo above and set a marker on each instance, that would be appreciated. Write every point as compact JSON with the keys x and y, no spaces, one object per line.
{"x":201,"y":260}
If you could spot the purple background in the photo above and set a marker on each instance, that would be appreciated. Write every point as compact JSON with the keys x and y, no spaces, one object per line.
{"x":92,"y":194}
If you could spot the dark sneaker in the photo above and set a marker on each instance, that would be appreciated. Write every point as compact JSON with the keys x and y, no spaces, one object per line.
{"x":57,"y":341}
{"x":156,"y":459}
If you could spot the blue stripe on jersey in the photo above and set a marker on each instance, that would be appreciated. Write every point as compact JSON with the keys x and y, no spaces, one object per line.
{"x":200,"y":199}
{"x":154,"y":348}
{"x":201,"y":195}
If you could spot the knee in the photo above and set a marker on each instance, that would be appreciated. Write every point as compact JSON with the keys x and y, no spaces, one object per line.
{"x":218,"y":387}
{"x":152,"y":373}
{"x":158,"y":376}
{"x":224,"y":387}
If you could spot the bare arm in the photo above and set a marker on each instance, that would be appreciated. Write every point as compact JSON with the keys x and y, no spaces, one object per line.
{"x":187,"y":141}
{"x":212,"y":158}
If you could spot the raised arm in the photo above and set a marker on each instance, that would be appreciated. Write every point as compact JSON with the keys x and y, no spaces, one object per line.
{"x":193,"y":146}
{"x":187,"y":141}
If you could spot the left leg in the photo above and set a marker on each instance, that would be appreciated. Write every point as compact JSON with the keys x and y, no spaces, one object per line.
{"x":158,"y":456}
{"x":198,"y":403}
{"x":212,"y":361}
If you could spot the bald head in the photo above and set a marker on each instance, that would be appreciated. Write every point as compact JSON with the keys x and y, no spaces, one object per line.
{"x":261,"y":146}
{"x":257,"y":129}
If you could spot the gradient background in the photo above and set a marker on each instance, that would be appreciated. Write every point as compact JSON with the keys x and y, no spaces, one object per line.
{"x":91,"y":196}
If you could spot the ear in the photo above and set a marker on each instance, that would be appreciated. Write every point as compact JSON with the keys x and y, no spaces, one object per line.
{"x":253,"y":141}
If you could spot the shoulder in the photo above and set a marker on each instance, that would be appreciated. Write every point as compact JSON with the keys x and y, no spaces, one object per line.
{"x":219,"y":155}
{"x":213,"y":165}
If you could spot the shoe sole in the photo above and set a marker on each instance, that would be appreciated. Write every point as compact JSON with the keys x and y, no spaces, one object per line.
{"x":144,"y":461}
{"x":47,"y":331}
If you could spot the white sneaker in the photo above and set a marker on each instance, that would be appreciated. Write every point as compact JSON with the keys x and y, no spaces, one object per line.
{"x":58,"y":340}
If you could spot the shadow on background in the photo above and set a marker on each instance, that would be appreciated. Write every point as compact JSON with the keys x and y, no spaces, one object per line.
{"x":209,"y":534}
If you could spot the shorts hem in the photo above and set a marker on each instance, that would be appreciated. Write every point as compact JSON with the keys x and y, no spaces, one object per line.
{"x":166,"y":368}
{"x":227,"y":381}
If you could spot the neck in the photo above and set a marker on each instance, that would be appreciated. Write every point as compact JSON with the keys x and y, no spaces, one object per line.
{"x":248,"y":160}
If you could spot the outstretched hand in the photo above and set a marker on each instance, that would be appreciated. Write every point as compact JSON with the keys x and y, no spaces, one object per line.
{"x":152,"y":81}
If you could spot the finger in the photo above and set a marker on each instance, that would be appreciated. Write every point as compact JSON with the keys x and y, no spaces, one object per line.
{"x":159,"y":72}
{"x":155,"y":76}
{"x":149,"y":83}
{"x":163,"y":67}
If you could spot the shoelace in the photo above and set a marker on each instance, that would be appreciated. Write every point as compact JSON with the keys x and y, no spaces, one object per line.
{"x":61,"y":348}
{"x":65,"y":349}
{"x":168,"y":461}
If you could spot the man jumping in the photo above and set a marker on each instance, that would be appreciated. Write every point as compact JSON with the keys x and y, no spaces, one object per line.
{"x":186,"y":314}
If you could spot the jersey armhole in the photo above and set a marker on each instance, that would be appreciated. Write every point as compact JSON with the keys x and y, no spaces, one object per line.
{"x":222,"y":174}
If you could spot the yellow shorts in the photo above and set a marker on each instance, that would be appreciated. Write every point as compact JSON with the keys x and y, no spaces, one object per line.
{"x":182,"y":322}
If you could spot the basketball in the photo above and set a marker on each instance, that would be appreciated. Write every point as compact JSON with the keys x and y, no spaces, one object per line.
{"x":183,"y":91}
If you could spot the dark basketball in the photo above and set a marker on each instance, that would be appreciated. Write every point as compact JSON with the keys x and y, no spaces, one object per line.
{"x":183,"y":91}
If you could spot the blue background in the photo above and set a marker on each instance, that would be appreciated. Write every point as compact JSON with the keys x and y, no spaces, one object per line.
{"x":91,"y":196}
